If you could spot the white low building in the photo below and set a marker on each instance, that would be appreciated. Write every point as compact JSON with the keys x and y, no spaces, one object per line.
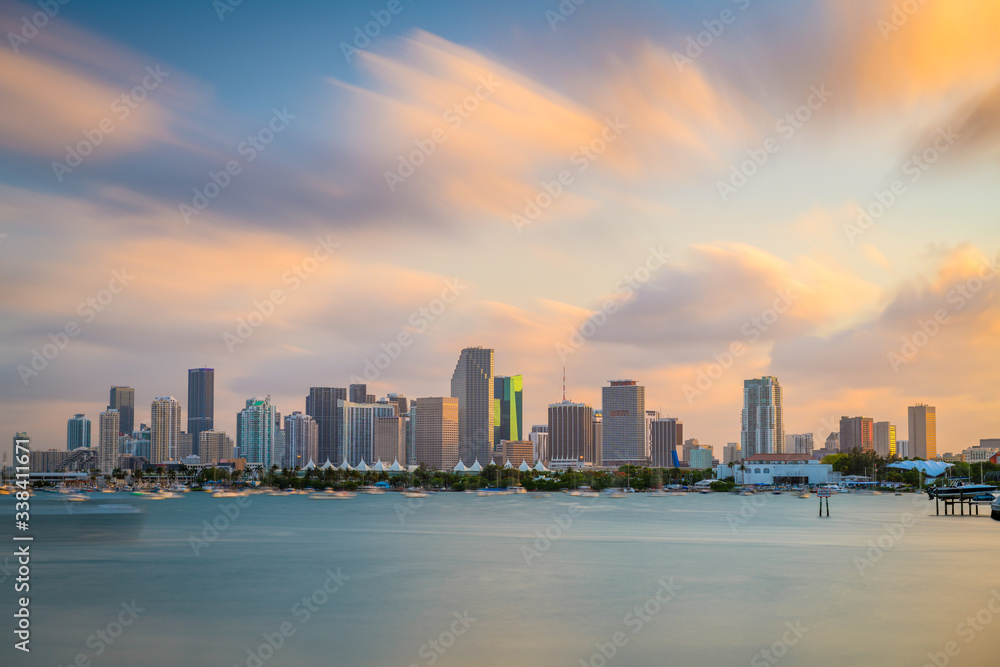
{"x":772,"y":469}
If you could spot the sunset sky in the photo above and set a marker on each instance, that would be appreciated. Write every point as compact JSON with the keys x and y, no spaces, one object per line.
{"x":600,"y":167}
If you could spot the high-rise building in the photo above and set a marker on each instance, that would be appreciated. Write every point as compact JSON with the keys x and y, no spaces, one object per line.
{"x":597,"y":426}
{"x":923,"y":431}
{"x":885,"y":439}
{"x":358,"y":393}
{"x":763,"y":425}
{"x":515,"y":452}
{"x":358,"y":433}
{"x":857,"y":432}
{"x":109,"y":425}
{"x":77,"y":432}
{"x":390,"y":439}
{"x":539,"y":438}
{"x":651,"y":416}
{"x":666,"y":434}
{"x":215,"y":446}
{"x":166,"y":428}
{"x":731,"y":452}
{"x":122,"y":399}
{"x":301,"y":441}
{"x":321,"y":405}
{"x":686,"y":448}
{"x":280,"y":446}
{"x":701,"y":458}
{"x":402,"y":406}
{"x":623,"y":414}
{"x":201,"y":403}
{"x":903,"y":449}
{"x":508,"y":417}
{"x":436,"y":432}
{"x":472,"y":385}
{"x":833,"y":441}
{"x":571,"y":434}
{"x":798,"y":443}
{"x":185,"y":446}
{"x":256,"y":435}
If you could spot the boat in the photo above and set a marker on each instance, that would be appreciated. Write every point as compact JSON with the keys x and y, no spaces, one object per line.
{"x":995,"y":507}
{"x":415,"y":493}
{"x":77,"y":498}
{"x":229,"y":494}
{"x":517,"y":489}
{"x":960,"y":491}
{"x":163,"y":495}
{"x":332,"y":495}
{"x":804,"y":494}
{"x":614,"y":493}
{"x":371,"y":490}
{"x":776,"y":493}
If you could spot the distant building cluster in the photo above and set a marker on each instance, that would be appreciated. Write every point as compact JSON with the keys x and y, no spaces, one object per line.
{"x":481,"y":422}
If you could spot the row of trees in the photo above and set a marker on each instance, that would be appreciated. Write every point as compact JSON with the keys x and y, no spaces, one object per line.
{"x":870,"y":464}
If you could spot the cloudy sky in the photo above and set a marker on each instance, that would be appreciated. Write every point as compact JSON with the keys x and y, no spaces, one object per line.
{"x":687,"y":194}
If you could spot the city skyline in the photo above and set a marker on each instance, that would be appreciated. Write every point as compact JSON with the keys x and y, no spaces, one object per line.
{"x":809,"y":236}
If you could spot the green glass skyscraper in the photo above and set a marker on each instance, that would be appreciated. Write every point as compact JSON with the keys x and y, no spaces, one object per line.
{"x":508,"y":418}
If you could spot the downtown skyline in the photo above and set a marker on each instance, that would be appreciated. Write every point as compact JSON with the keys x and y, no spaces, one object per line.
{"x":681,"y":207}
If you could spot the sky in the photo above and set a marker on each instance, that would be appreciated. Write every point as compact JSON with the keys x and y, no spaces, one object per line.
{"x":303,"y":193}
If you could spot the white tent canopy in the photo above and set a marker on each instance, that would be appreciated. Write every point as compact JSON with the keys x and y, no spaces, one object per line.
{"x":310,"y":465}
{"x":507,"y":466}
{"x":459,"y":467}
{"x":395,"y":467}
{"x":524,"y":467}
{"x":379,"y":466}
{"x":540,"y":468}
{"x":929,"y":468}
{"x":362,"y":467}
{"x":327,"y":465}
{"x":345,"y":465}
{"x":475,"y":467}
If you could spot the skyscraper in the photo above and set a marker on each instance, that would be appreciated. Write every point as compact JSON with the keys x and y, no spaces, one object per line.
{"x":216,"y":445}
{"x":301,"y":440}
{"x":798,"y":443}
{"x":201,"y":403}
{"x":358,"y":431}
{"x":923,"y":431}
{"x":763,"y":425}
{"x":857,"y":432}
{"x":389,"y":445}
{"x":109,"y":425}
{"x":472,"y":385}
{"x":436,"y":432}
{"x":358,"y":393}
{"x":571,"y":434}
{"x":321,"y":405}
{"x":885,"y":439}
{"x":508,"y":418}
{"x":624,"y":423}
{"x":77,"y":432}
{"x":402,"y":406}
{"x":666,"y":434}
{"x":256,"y":435}
{"x":166,"y":428}
{"x":123,"y":400}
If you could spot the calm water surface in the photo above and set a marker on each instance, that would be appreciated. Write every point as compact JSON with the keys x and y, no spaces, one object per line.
{"x":679,"y":580}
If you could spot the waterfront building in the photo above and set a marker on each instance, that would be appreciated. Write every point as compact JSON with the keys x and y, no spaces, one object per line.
{"x":255,"y":439}
{"x":109,"y":424}
{"x":77,"y":432}
{"x":215,"y":446}
{"x":799,"y":443}
{"x":322,"y":406}
{"x":472,"y":385}
{"x":570,"y":434}
{"x":769,"y":469}
{"x":763,"y":426}
{"x":436,"y":432}
{"x":201,"y":403}
{"x":358,"y":430}
{"x":122,"y":399}
{"x":390,"y":438}
{"x":700,"y":458}
{"x":301,"y":441}
{"x":922,"y":421}
{"x":623,"y":415}
{"x":166,"y":429}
